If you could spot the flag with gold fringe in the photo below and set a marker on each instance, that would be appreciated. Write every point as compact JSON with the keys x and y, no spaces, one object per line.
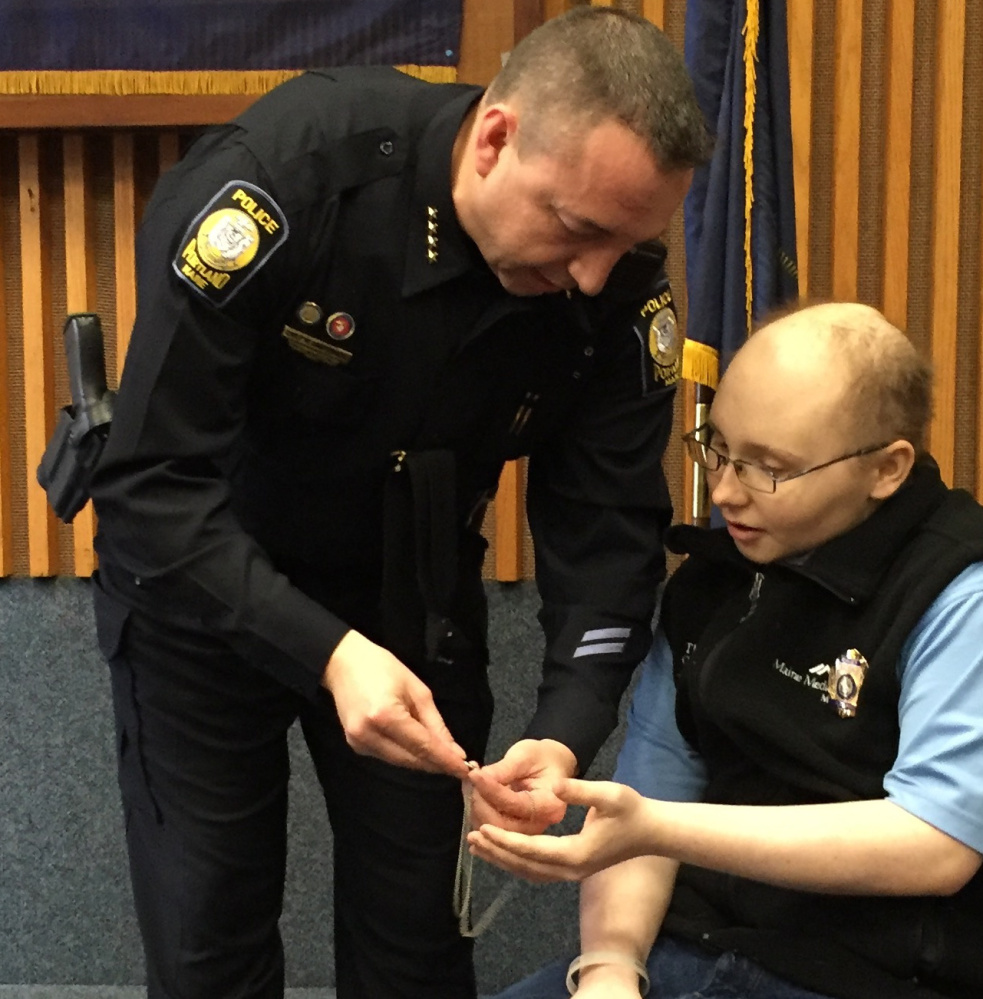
{"x":740,"y":210}
{"x":207,"y":46}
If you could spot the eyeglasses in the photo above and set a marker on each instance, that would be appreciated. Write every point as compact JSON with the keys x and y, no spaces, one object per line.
{"x":753,"y":476}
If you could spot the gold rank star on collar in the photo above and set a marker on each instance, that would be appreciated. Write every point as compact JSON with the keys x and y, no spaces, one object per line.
{"x":432,"y":250}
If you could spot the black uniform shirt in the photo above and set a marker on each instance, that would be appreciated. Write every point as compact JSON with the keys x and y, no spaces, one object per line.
{"x":307,"y":306}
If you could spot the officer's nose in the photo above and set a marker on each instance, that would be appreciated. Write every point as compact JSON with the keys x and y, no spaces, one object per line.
{"x":591,"y":267}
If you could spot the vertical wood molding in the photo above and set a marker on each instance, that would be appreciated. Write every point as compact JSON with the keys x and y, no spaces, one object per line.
{"x":527,"y":15}
{"x":80,"y":296}
{"x":897,"y":160}
{"x":655,"y":11}
{"x":689,"y":422}
{"x":38,"y":370}
{"x":509,"y":501}
{"x":800,"y":15}
{"x":124,"y":232}
{"x":945,"y":227}
{"x":846,"y":148}
{"x":488,"y":33}
{"x":553,"y":8}
{"x":6,"y":479}
{"x":168,"y":150}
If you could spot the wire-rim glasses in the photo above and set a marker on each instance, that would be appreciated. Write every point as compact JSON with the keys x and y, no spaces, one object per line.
{"x":755,"y":477}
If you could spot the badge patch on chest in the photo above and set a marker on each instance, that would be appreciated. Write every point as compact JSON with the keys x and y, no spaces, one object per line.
{"x":230,"y":240}
{"x":845,"y":680}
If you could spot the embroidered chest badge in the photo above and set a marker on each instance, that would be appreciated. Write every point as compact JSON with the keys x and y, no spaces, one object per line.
{"x":845,"y":680}
{"x":229,"y":241}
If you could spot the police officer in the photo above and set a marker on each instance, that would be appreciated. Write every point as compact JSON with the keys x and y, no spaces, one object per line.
{"x":355,"y":303}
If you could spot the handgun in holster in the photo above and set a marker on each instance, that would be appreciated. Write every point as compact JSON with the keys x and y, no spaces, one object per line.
{"x":73,"y":452}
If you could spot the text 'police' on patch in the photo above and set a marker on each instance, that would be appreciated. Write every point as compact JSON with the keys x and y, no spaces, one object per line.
{"x":229,"y":240}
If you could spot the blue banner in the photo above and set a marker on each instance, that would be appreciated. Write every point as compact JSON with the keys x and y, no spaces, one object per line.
{"x":740,"y":210}
{"x":203,"y":35}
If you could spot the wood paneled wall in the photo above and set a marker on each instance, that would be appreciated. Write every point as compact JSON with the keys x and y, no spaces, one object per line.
{"x":887,"y":98}
{"x":70,"y":203}
{"x":887,"y":108}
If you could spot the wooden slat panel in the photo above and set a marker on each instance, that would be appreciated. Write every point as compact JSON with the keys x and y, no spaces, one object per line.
{"x":527,"y":15}
{"x":38,"y":372}
{"x":124,"y":230}
{"x":689,"y":478}
{"x":945,"y":228}
{"x":168,"y":150}
{"x":553,"y":8}
{"x":655,"y":11}
{"x":6,"y":480}
{"x":897,"y":165}
{"x":487,"y":34}
{"x":508,"y":523}
{"x":846,"y":147}
{"x":80,"y":296}
{"x":800,"y":15}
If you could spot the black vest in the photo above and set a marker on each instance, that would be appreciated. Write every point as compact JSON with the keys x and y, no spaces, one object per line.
{"x":752,"y":648}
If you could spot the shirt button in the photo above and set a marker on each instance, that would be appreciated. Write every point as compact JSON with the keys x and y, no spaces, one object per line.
{"x":588,"y":351}
{"x":386,"y":148}
{"x":576,"y":374}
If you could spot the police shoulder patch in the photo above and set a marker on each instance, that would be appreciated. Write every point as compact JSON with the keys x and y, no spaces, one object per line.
{"x":229,"y":241}
{"x":659,"y":333}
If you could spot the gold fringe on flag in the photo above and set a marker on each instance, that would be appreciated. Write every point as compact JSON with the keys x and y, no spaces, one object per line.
{"x":751,"y":30}
{"x":701,"y":363}
{"x":123,"y":83}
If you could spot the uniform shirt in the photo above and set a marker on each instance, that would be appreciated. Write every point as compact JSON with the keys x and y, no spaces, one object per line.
{"x":307,"y":307}
{"x":938,"y":773}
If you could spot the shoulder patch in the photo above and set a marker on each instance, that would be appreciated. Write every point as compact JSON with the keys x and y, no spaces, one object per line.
{"x":229,"y":241}
{"x":659,"y":333}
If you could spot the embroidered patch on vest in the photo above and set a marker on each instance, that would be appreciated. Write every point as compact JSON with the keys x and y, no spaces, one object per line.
{"x":229,"y":241}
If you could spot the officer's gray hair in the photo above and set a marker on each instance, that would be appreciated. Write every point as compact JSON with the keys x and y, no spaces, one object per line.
{"x":593,"y":64}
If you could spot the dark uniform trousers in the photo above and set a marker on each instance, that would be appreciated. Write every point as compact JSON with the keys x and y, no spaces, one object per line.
{"x":203,"y":769}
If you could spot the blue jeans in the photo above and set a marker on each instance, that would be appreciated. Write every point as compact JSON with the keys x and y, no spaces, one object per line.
{"x":678,"y":970}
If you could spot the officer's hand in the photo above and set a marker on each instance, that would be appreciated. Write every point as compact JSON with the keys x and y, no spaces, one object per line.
{"x":517,"y":792}
{"x":387,"y":711}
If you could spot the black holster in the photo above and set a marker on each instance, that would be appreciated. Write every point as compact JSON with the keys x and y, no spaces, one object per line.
{"x":80,"y":434}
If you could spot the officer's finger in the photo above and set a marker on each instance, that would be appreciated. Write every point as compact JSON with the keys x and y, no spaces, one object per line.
{"x":401,"y":750}
{"x":432,"y":720}
{"x":434,"y":753}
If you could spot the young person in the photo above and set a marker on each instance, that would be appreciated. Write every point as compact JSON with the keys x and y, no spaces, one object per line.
{"x":803,"y":815}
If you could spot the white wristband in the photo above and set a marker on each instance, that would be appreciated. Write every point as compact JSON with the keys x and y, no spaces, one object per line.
{"x":596,"y":957}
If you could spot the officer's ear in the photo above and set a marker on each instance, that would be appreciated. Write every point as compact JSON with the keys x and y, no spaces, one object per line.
{"x":495,"y":128}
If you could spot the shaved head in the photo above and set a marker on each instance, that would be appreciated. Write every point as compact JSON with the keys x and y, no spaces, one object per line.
{"x":832,"y":402}
{"x":866,"y":368}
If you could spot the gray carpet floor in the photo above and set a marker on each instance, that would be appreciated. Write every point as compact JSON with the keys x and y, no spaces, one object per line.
{"x":66,"y":913}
